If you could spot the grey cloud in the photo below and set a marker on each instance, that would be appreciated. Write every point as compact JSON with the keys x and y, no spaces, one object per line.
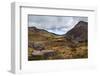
{"x":55,"y":24}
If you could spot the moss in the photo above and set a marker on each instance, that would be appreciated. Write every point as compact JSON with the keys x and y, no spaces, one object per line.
{"x":36,"y":58}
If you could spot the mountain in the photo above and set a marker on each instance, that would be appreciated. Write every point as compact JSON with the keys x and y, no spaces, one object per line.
{"x":71,"y":45}
{"x":40,"y":36}
{"x":36,"y":34}
{"x":79,"y":33}
{"x":40,"y":31}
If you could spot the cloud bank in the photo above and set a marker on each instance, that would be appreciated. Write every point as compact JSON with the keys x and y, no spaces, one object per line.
{"x":55,"y":24}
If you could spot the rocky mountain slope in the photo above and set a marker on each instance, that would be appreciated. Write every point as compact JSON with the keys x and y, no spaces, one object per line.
{"x":79,"y":32}
{"x":71,"y":45}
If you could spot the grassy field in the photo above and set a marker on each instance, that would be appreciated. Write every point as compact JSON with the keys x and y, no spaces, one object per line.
{"x":62,"y":47}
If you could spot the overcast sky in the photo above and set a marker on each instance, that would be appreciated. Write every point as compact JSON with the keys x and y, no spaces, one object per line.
{"x":55,"y":24}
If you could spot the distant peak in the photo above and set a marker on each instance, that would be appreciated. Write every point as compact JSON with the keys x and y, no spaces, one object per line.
{"x":82,"y":22}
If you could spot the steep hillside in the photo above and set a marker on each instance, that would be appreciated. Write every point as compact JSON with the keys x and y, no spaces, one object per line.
{"x":79,"y":32}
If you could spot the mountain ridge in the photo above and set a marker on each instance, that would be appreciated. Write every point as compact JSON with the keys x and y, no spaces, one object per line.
{"x":71,"y":45}
{"x":79,"y":32}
